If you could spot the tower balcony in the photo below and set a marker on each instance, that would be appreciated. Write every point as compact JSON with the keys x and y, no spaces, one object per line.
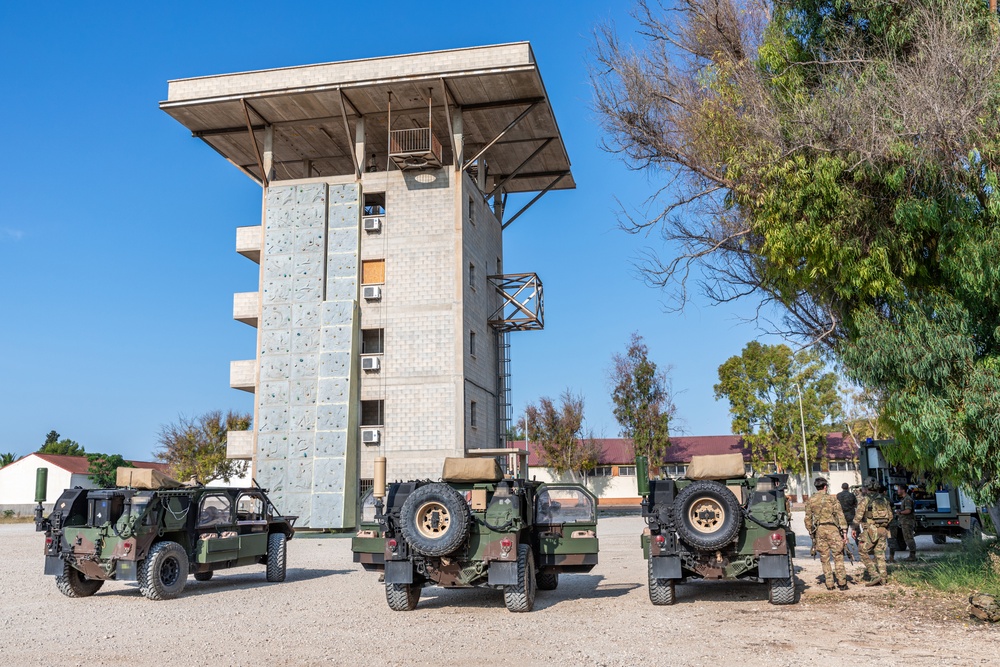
{"x":239,"y":445}
{"x":246,"y":306}
{"x":415,"y":148}
{"x":243,"y":375}
{"x":248,"y":242}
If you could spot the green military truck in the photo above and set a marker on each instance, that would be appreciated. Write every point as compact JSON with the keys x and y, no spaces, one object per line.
{"x":942,"y":511}
{"x":152,"y":530}
{"x":477,"y":527}
{"x":716,"y":523}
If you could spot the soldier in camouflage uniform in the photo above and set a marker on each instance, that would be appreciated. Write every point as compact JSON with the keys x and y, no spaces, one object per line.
{"x":826,"y":523}
{"x":907,"y":521}
{"x":871,"y":531}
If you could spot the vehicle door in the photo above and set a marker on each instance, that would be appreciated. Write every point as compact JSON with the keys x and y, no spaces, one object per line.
{"x":251,"y":523}
{"x":566,"y":524}
{"x":217,"y":534}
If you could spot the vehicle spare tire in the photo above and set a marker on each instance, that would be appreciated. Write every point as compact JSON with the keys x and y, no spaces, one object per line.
{"x":707,"y":515}
{"x":435,"y":520}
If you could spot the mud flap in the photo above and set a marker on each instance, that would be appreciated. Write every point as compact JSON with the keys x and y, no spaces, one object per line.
{"x":53,"y":565}
{"x":667,"y":567}
{"x":126,"y":571}
{"x":773,"y":566}
{"x":398,"y":572}
{"x":503,"y":573}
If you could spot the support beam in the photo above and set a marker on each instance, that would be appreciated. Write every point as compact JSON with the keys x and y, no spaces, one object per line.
{"x":347,"y":131}
{"x":519,"y":167}
{"x":253,"y":140}
{"x":457,"y":137}
{"x":499,"y":136}
{"x":536,"y":198}
{"x":269,"y":153}
{"x":502,"y":105}
{"x":451,"y":125}
{"x":359,"y":142}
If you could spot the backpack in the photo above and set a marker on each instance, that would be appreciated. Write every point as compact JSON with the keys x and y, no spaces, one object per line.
{"x":880,"y":511}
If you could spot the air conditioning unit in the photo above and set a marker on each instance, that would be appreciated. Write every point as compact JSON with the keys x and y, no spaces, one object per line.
{"x":372,"y":224}
{"x":370,"y":363}
{"x":371,"y":292}
{"x":371,"y":436}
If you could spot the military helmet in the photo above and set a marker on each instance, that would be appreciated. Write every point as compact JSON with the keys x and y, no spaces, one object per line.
{"x":820,"y":482}
{"x":872,"y":484}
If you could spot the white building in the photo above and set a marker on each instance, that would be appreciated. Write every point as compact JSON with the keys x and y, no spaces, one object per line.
{"x":17,"y":480}
{"x":613,"y":481}
{"x":382,"y":306}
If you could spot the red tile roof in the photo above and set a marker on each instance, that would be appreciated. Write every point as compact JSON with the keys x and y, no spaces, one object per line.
{"x":79,"y":465}
{"x":617,"y":451}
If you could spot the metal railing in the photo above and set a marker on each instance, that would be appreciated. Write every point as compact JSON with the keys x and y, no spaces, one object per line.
{"x":417,"y":140}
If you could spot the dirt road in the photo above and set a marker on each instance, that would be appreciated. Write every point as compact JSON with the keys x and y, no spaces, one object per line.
{"x":330,"y":612}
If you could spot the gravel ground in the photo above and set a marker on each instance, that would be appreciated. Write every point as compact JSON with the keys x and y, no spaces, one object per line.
{"x":330,"y":612}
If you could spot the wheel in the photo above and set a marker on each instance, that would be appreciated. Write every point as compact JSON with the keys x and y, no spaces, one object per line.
{"x":277,"y":552}
{"x":547,"y":581}
{"x":164,"y":572}
{"x":203,"y":576}
{"x":938,"y":538}
{"x":975,"y":531}
{"x":782,"y":591}
{"x":402,"y":597}
{"x":661,"y":591}
{"x":73,"y":584}
{"x":707,"y":515}
{"x":435,"y":520}
{"x":521,"y":596}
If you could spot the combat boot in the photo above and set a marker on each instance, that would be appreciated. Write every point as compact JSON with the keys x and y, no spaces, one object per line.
{"x":912,"y":557}
{"x":892,"y":557}
{"x":842,"y":587}
{"x":877,"y":581}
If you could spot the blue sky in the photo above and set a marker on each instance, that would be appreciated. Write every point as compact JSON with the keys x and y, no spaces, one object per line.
{"x":117,"y":229}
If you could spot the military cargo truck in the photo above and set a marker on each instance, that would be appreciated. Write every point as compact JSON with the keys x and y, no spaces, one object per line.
{"x":942,"y":511}
{"x":716,"y":523}
{"x":152,"y":530}
{"x":476,"y":527}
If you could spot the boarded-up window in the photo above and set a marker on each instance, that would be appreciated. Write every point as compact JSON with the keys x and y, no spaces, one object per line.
{"x":373,"y":272}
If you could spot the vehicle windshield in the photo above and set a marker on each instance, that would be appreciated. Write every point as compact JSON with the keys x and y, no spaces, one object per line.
{"x":564,"y":505}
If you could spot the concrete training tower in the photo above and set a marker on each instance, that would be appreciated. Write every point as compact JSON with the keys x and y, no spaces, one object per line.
{"x":383,"y":310}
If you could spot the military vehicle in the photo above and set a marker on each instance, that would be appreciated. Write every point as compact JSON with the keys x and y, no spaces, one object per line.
{"x":942,"y":511}
{"x":155,"y":531}
{"x":716,"y":523}
{"x":477,"y":527}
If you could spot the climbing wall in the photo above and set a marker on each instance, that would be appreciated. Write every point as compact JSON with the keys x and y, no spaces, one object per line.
{"x":308,"y":378}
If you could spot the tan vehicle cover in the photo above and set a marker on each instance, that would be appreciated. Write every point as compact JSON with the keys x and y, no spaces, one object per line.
{"x":716,"y":466}
{"x":145,"y":478}
{"x":471,"y":470}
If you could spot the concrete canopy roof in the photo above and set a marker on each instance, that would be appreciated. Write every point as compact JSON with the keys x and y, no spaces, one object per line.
{"x":492,"y":85}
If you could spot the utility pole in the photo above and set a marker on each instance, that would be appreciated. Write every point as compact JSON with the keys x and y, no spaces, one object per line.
{"x":802,"y":420}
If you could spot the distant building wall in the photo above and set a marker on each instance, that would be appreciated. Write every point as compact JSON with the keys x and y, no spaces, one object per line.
{"x":17,"y":481}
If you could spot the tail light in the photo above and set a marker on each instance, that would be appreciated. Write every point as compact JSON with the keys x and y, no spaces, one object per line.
{"x":776,"y":539}
{"x":660,"y":540}
{"x":505,"y":545}
{"x":392,"y":544}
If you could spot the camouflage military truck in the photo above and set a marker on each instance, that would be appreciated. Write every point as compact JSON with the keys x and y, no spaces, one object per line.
{"x":476,"y":528}
{"x":156,"y":532}
{"x":941,"y":511}
{"x":716,"y":523}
